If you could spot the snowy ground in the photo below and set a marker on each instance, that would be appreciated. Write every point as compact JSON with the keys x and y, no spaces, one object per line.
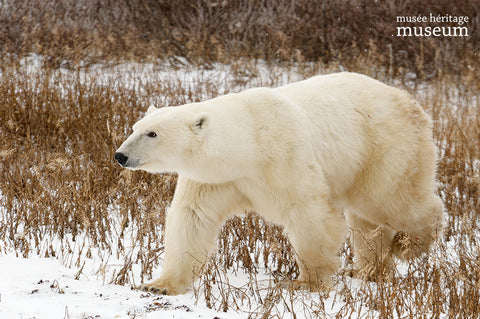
{"x":43,"y":288}
{"x":38,"y":288}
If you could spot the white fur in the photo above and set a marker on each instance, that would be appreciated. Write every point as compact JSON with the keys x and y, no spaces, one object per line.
{"x":314,"y":156}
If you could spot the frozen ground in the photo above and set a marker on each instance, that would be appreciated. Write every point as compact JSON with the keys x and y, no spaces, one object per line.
{"x":44,"y":288}
{"x":40,"y":288}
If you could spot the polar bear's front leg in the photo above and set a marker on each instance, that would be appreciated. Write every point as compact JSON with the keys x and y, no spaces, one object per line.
{"x":197,"y":213}
{"x":188,"y":243}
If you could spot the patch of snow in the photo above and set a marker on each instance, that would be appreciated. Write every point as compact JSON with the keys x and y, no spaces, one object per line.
{"x":43,"y":288}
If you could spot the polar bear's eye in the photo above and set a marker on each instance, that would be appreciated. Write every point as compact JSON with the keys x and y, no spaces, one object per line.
{"x":152,"y":134}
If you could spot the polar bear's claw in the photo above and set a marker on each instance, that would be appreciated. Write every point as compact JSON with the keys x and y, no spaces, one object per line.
{"x":153,"y":289}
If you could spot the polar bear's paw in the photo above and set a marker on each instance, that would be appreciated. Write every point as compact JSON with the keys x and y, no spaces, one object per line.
{"x":161,"y":287}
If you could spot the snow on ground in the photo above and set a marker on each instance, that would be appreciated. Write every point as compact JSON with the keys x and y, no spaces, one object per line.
{"x":43,"y":288}
{"x":40,"y":288}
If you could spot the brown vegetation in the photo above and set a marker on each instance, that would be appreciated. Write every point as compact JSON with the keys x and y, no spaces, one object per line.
{"x":62,"y":195}
{"x":208,"y":31}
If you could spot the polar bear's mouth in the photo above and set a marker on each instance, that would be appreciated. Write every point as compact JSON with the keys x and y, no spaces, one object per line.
{"x":125,"y":161}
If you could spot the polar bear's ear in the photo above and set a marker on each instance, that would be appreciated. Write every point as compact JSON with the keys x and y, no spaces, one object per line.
{"x":151,"y":108}
{"x":199,"y":122}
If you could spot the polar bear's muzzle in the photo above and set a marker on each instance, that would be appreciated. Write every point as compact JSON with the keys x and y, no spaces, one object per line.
{"x":121,"y":158}
{"x":125,"y":161}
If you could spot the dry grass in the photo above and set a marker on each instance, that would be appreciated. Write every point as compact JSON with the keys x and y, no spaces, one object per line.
{"x":62,"y":195}
{"x":203,"y":31}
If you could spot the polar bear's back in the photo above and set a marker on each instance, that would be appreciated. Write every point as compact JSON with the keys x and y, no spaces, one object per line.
{"x":363,"y":131}
{"x":339,"y":92}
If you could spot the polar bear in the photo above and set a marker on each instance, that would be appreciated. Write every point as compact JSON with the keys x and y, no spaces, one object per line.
{"x":330,"y":154}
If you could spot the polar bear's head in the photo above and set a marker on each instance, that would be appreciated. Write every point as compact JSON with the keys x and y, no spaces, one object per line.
{"x":165,"y":140}
{"x":213,"y":141}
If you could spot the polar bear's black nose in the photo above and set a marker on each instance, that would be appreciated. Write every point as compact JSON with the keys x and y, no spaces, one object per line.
{"x":121,"y":158}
